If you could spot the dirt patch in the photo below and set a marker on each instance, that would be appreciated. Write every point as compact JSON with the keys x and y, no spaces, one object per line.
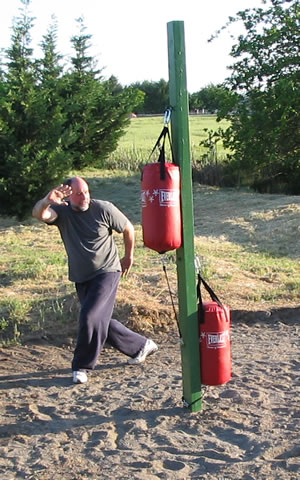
{"x":130,"y":422}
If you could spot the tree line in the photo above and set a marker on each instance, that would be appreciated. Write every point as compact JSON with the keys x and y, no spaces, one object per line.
{"x":154,"y":97}
{"x":54,"y":119}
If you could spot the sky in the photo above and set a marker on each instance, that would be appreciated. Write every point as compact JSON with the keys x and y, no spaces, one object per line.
{"x":129,"y":37}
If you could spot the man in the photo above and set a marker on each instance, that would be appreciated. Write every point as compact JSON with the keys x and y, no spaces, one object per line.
{"x":86,"y":226}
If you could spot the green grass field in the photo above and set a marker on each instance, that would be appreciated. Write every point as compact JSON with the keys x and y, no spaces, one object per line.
{"x":135,"y":146}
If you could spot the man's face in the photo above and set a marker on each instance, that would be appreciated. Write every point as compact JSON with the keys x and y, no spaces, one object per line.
{"x":80,"y":196}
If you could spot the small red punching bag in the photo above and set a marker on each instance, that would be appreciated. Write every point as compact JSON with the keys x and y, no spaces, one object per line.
{"x":161,"y":210}
{"x":214,"y":337}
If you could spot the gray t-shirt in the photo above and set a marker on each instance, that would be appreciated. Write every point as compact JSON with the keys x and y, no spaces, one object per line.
{"x":88,"y":239}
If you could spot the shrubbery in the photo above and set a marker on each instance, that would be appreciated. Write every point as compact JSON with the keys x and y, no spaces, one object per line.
{"x":264,"y":103}
{"x":52,"y":121}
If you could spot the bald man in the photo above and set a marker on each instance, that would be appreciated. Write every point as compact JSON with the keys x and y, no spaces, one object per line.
{"x":86,"y":226}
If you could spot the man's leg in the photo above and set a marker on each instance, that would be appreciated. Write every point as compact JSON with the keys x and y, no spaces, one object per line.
{"x":97,"y":298}
{"x":124,"y":339}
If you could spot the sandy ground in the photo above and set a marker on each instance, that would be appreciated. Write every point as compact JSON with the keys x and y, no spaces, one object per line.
{"x":129,"y":422}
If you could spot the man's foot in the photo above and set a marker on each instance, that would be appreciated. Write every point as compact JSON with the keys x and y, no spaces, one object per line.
{"x":149,"y":347}
{"x":80,"y":377}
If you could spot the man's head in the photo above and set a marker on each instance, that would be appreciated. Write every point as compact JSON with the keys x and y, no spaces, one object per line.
{"x":80,"y":196}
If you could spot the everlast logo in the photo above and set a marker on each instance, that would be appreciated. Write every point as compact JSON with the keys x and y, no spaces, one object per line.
{"x":217,"y":340}
{"x":168,"y":198}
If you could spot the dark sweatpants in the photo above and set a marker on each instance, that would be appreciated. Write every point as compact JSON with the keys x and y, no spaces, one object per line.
{"x":97,"y":298}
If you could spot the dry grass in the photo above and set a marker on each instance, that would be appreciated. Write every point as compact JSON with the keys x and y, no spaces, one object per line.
{"x":248,"y":244}
{"x":252,"y":241}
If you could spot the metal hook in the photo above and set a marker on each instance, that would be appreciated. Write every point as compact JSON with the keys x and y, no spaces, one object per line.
{"x":167,"y":116}
{"x":197,"y":264}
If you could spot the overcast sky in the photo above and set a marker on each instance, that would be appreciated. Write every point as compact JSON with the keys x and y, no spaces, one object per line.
{"x":129,"y":37}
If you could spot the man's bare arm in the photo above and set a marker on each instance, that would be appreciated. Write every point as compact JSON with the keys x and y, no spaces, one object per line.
{"x":129,"y":240}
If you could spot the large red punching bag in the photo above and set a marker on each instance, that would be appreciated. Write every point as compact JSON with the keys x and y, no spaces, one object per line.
{"x":161,"y":209}
{"x":214,"y":337}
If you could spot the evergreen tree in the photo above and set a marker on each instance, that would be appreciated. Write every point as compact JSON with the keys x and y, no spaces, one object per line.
{"x":32,"y":157}
{"x":83,"y":63}
{"x":51,"y":121}
{"x":97,"y":110}
{"x":48,"y":67}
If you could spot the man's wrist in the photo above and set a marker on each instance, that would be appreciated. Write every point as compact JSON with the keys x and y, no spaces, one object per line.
{"x":45,"y":203}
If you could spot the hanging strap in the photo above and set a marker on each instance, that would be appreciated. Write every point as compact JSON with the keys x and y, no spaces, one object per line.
{"x":212,"y":294}
{"x":160,"y":144}
{"x":171,"y":296}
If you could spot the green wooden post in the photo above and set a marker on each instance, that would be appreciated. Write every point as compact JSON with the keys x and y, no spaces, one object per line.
{"x":186,"y":276}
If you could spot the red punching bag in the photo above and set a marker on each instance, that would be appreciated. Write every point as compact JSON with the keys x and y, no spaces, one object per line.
{"x":161,"y":210}
{"x":214,"y":337}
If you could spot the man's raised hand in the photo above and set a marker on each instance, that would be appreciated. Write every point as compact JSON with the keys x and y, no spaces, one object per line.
{"x":57,"y":195}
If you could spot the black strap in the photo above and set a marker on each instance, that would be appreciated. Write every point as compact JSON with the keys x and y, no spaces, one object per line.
{"x":212,"y":294}
{"x":188,"y":405}
{"x":160,"y":143}
{"x":171,"y":296}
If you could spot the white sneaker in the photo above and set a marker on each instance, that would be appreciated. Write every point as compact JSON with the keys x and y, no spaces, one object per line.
{"x":149,"y":347}
{"x":80,"y":377}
